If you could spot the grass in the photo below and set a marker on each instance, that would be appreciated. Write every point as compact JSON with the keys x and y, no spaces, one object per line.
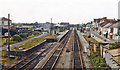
{"x":33,"y":42}
{"x":98,"y":62}
{"x":5,"y":58}
{"x":13,"y":42}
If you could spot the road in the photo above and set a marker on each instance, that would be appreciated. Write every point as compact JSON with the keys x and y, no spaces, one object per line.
{"x":16,"y":44}
{"x":101,"y":37}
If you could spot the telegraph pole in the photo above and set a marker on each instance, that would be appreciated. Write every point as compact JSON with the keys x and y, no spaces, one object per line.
{"x":51,"y":27}
{"x":9,"y":32}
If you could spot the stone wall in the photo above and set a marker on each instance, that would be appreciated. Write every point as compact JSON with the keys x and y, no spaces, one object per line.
{"x":30,"y":50}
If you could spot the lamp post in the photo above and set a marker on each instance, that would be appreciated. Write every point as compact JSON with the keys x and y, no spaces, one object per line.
{"x":9,"y":32}
{"x":89,"y":35}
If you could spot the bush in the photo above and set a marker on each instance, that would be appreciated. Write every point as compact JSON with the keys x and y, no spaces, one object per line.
{"x":102,"y":64}
{"x":115,"y":45}
{"x":16,"y":38}
{"x":36,"y":33}
{"x":98,"y":62}
{"x":23,"y":35}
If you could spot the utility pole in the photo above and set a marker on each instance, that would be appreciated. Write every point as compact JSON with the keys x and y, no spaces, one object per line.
{"x":51,"y":27}
{"x":9,"y":32}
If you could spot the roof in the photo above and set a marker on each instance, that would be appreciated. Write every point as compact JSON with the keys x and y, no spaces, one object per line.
{"x":64,"y":23}
{"x":114,"y":52}
{"x":116,"y":25}
{"x":97,"y":20}
{"x":58,"y":25}
{"x":102,"y":24}
{"x":108,"y":25}
{"x":89,"y":23}
{"x":4,"y":19}
{"x":110,"y":20}
{"x":117,"y":59}
{"x":105,"y":19}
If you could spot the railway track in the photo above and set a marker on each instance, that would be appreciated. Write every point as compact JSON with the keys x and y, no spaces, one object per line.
{"x":30,"y":62}
{"x":52,"y":60}
{"x":78,"y":61}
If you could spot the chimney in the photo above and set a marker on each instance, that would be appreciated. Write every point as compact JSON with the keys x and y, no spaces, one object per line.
{"x":114,"y":19}
{"x":104,"y":17}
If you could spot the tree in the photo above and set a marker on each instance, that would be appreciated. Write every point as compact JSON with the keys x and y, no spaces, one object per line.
{"x":23,"y":35}
{"x":36,"y":33}
{"x":17,"y":38}
{"x":13,"y":32}
{"x":4,"y":31}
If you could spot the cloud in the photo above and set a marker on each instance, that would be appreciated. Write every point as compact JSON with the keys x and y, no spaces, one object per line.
{"x":60,"y":10}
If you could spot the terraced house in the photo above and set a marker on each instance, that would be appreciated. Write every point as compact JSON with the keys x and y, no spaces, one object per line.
{"x":109,"y":28}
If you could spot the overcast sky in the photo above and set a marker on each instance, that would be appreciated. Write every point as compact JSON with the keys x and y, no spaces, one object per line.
{"x":73,"y":11}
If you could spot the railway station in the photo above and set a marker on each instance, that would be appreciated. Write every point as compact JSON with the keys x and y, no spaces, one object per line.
{"x":67,"y":52}
{"x":60,"y":35}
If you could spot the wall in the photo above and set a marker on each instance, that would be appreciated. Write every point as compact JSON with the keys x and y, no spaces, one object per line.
{"x":109,"y":61}
{"x":115,"y":31}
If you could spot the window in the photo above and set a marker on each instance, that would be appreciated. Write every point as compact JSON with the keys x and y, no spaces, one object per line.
{"x":5,"y":22}
{"x":0,"y":22}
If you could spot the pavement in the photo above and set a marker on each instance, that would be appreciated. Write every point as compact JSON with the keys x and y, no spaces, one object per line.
{"x":83,"y":41}
{"x":66,"y":58}
{"x":16,"y":44}
{"x":85,"y":56}
{"x":61,"y":34}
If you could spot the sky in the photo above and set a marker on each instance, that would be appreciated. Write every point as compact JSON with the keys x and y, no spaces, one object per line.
{"x":72,"y":11}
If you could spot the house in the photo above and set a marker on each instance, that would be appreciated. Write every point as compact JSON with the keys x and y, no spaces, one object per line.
{"x":114,"y":34}
{"x":104,"y":28}
{"x":88,"y":26}
{"x":112,"y":58}
{"x":101,"y":29}
{"x":65,"y":25}
{"x":4,"y":22}
{"x":4,"y":25}
{"x":112,"y":30}
{"x":98,"y":21}
{"x":58,"y":28}
{"x":107,"y":30}
{"x":46,"y":25}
